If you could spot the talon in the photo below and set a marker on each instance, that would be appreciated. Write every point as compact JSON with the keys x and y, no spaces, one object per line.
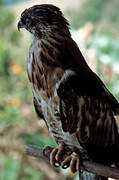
{"x":78,"y":168}
{"x":73,"y":164}
{"x":57,"y":164}
{"x":60,"y":153}
{"x":66,"y":163}
{"x":65,"y":166}
{"x":52,"y":157}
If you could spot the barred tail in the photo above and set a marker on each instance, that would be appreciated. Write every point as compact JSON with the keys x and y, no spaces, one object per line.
{"x":90,"y":176}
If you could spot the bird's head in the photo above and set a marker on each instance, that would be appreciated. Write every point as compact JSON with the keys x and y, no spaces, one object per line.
{"x":43,"y":19}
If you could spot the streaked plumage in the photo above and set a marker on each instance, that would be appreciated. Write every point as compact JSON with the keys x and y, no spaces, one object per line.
{"x":75,"y":104}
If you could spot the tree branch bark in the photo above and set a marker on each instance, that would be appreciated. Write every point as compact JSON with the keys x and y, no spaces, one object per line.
{"x":87,"y":165}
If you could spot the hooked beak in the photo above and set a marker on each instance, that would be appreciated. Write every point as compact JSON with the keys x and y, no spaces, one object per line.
{"x":20,"y":25}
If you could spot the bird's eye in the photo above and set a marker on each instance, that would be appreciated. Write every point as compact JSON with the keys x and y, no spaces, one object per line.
{"x":27,"y":21}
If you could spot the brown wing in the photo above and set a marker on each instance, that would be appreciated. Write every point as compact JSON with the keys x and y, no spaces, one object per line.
{"x":87,"y":109}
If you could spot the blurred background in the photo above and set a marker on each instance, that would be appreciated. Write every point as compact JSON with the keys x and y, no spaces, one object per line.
{"x":95,"y":27}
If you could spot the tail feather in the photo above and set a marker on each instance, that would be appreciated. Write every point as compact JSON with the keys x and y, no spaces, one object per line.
{"x":90,"y":176}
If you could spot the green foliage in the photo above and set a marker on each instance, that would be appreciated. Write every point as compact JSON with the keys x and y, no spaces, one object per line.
{"x":8,"y":35}
{"x":11,"y":170}
{"x":99,"y":12}
{"x":107,"y":48}
{"x":7,"y":27}
{"x":6,"y":19}
{"x":31,"y":173}
{"x":39,"y":140}
{"x":106,"y":44}
{"x":5,"y":57}
{"x":10,"y":116}
{"x":1,"y":2}
{"x":109,"y":22}
{"x":90,"y":11}
{"x":15,"y":37}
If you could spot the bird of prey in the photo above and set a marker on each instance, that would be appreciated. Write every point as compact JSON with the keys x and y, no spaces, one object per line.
{"x":78,"y":109}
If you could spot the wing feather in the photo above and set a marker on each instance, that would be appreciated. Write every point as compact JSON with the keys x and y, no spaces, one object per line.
{"x":87,"y":110}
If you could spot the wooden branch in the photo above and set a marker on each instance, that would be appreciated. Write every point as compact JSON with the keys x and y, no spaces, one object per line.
{"x":87,"y":165}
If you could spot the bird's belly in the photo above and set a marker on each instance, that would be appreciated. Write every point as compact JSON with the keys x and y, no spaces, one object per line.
{"x":50,"y":109}
{"x":56,"y":131}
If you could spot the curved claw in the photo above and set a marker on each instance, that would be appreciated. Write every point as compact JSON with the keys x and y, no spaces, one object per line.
{"x":60,"y":153}
{"x":75,"y":163}
{"x":53,"y":160}
{"x":66,"y":163}
{"x":57,"y":164}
